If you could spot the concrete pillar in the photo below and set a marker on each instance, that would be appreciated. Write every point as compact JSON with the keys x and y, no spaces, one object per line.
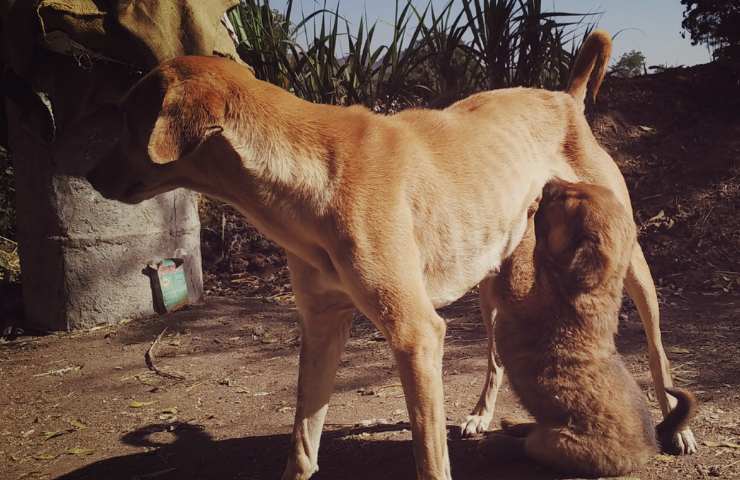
{"x":82,"y":256}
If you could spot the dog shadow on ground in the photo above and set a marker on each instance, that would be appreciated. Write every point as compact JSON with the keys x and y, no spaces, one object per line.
{"x":184,"y":451}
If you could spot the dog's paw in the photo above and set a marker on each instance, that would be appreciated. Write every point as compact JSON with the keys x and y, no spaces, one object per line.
{"x":474,"y":425}
{"x":299,"y":470}
{"x":684,"y":442}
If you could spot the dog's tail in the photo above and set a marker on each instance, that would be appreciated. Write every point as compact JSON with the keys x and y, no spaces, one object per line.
{"x":676,"y":420}
{"x":594,"y":54}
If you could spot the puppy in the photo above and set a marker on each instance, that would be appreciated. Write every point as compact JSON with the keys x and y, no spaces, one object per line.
{"x":559,"y":296}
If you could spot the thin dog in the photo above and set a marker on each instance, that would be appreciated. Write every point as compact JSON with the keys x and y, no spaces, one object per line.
{"x":564,"y":281}
{"x":391,"y":215}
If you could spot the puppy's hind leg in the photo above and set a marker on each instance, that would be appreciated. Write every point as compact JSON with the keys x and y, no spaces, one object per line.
{"x":564,"y":451}
{"x":641,"y":289}
{"x":480,"y":418}
{"x":517,"y":429}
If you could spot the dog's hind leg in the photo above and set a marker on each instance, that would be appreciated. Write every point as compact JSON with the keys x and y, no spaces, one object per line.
{"x":326,"y":317}
{"x":480,"y":417}
{"x":641,"y":289}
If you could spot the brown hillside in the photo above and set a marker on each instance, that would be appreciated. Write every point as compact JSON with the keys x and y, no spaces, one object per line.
{"x":676,"y":138}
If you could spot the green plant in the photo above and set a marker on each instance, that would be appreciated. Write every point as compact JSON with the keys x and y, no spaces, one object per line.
{"x":9,"y":263}
{"x":630,"y":64}
{"x":514,"y":42}
{"x":449,"y":67}
{"x":520,"y":44}
{"x":715,"y":23}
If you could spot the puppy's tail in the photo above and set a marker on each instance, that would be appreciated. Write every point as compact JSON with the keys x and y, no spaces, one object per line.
{"x":594,"y":54}
{"x":676,"y":420}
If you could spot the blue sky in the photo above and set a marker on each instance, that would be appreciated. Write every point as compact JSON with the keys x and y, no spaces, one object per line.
{"x":653,"y":26}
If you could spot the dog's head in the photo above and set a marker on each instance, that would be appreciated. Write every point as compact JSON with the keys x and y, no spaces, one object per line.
{"x":168,"y":126}
{"x":584,"y":235}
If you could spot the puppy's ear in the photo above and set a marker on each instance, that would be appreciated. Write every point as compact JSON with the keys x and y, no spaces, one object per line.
{"x":585,"y":268}
{"x":572,"y":251}
{"x":185,"y":121}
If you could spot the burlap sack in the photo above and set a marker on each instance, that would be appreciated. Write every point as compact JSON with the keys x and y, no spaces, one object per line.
{"x":77,"y":56}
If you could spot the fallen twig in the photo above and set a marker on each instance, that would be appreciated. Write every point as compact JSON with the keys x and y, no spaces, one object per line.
{"x":153,"y":474}
{"x":60,"y":371}
{"x":149,"y":359}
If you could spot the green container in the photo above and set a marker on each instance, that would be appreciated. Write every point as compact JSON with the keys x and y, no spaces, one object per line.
{"x":169,"y":284}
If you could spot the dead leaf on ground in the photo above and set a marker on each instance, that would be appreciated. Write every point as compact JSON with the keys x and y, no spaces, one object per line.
{"x":138,"y":404}
{"x":57,"y":433}
{"x":80,"y":451}
{"x":77,"y":424}
{"x":45,"y":456}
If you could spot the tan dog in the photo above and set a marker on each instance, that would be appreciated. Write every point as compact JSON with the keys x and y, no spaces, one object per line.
{"x":565,"y":283}
{"x":392,"y":215}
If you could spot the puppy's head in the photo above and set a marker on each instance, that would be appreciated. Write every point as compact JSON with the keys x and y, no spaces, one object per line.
{"x":168,"y":127}
{"x":584,"y":235}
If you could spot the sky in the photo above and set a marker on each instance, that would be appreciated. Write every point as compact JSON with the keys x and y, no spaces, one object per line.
{"x":650,"y":26}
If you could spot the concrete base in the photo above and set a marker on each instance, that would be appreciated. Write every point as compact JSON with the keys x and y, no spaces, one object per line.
{"x":82,"y":256}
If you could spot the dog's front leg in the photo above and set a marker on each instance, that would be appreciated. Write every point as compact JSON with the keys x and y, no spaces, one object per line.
{"x":481,"y":416}
{"x":326,"y":318}
{"x":417,"y":338}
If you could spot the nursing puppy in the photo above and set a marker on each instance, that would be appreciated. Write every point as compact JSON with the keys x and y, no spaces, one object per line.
{"x":559,"y":296}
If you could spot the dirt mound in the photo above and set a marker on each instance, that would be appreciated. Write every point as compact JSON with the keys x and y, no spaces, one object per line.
{"x":676,"y":138}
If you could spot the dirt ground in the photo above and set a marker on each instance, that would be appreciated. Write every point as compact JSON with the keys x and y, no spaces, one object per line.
{"x":68,"y":412}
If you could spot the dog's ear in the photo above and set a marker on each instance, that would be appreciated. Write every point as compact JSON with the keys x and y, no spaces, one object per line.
{"x":184,"y":122}
{"x":173,"y":138}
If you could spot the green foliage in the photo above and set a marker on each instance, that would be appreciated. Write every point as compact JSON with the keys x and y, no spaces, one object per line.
{"x":715,"y":23}
{"x":9,"y":263}
{"x":630,"y":64}
{"x":7,"y":196}
{"x":520,"y":44}
{"x":513,"y":43}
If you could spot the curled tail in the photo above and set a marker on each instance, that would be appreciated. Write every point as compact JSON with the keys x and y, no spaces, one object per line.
{"x":594,"y":54}
{"x":676,"y":420}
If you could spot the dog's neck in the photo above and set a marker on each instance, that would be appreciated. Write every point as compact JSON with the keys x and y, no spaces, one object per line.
{"x":285,"y":146}
{"x":287,"y":162}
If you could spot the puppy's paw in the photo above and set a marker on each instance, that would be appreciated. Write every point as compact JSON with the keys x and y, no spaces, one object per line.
{"x":474,"y":425}
{"x":684,"y":442}
{"x":516,"y":428}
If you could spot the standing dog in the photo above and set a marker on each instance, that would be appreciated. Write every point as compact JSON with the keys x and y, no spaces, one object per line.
{"x":392,"y":215}
{"x":564,"y":281}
